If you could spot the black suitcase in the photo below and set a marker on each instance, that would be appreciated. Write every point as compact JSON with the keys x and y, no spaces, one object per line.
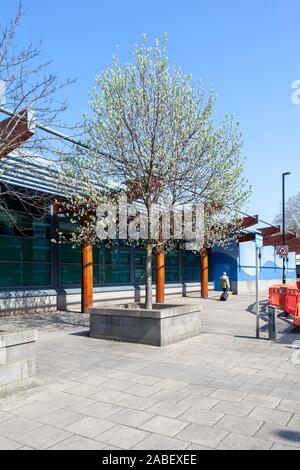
{"x":224,"y":297}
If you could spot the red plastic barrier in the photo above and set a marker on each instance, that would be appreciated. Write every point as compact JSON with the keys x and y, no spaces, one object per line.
{"x":297,"y":316}
{"x":286,"y":298}
{"x":277,"y":295}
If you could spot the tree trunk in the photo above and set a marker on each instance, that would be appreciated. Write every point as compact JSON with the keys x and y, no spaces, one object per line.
{"x":149,"y":250}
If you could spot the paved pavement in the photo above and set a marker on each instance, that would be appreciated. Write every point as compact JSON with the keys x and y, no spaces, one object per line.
{"x":221,"y":390}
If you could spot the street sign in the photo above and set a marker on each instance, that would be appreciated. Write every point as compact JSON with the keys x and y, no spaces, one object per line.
{"x":282,"y":251}
{"x":259,"y":240}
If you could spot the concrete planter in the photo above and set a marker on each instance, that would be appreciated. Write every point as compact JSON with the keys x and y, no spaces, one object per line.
{"x":163,"y":325}
{"x":17,"y":360}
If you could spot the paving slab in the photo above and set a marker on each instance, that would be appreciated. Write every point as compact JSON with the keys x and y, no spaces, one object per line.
{"x":78,"y":443}
{"x":229,"y":395}
{"x":289,"y":406}
{"x":43,"y":437}
{"x":169,"y":395}
{"x":34,"y":410}
{"x":281,"y":434}
{"x":60,"y":418}
{"x":238,"y":425}
{"x":260,"y":400}
{"x":203,"y":435}
{"x":272,"y":416}
{"x":158,"y":442}
{"x":100,"y":410}
{"x":203,"y":417}
{"x":123,"y":436}
{"x":204,"y":403}
{"x":89,"y":427}
{"x":132,"y":418}
{"x":241,"y":442}
{"x":166,"y":426}
{"x":234,"y":409}
{"x":16,"y":426}
{"x":9,"y":444}
{"x":294,"y":422}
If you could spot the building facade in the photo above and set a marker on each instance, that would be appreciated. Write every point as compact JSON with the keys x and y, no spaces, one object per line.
{"x":39,"y":275}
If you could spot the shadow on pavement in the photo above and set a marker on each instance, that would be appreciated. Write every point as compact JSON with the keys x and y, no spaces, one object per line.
{"x":57,"y":321}
{"x":292,"y":436}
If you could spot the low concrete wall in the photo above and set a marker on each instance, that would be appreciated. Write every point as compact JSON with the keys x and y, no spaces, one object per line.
{"x":20,"y":302}
{"x":249,"y":287}
{"x":158,"y":327}
{"x":71,"y":298}
{"x":17,"y":360}
{"x":23,"y":302}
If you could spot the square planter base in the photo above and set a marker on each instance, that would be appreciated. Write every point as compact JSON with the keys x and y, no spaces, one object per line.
{"x":17,"y":361}
{"x":161,"y":326}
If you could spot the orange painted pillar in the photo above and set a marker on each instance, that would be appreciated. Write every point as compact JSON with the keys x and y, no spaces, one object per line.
{"x":87,"y":282}
{"x":160,"y":277}
{"x":204,"y":274}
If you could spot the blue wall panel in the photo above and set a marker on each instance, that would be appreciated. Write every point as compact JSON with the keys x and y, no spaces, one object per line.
{"x":223,"y":260}
{"x":270,"y":264}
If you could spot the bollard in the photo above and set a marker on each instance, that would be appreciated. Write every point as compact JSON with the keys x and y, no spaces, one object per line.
{"x":272,"y":323}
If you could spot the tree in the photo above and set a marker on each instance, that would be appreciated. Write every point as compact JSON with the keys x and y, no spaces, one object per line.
{"x":292,"y":215}
{"x":151,"y":131}
{"x":28,"y":90}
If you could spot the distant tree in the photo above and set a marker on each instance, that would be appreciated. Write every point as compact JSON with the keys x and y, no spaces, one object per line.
{"x":30,"y":92}
{"x":151,"y":130}
{"x":292,"y":215}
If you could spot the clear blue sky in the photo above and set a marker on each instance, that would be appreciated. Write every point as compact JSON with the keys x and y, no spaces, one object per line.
{"x":247,"y":50}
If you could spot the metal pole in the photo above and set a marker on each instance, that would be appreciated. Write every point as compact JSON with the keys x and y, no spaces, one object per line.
{"x":272,"y":323}
{"x":257,"y":293}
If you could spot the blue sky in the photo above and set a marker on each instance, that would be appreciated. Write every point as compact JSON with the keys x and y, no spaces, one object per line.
{"x":246,"y":50}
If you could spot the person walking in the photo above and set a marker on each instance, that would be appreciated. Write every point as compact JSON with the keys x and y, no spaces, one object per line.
{"x":225,"y":285}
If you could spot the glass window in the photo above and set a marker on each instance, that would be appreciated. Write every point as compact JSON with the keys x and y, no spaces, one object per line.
{"x":25,"y":252}
{"x":172,"y":266}
{"x":140,"y":257}
{"x":69,"y":257}
{"x":191,"y":274}
{"x":114,"y":256}
{"x":112,"y":265}
{"x":191,"y":265}
{"x":36,"y":250}
{"x":96,"y":254}
{"x":10,"y":249}
{"x":140,"y":275}
{"x":172,"y":259}
{"x":115,"y":275}
{"x":36,"y":274}
{"x":190,"y":259}
{"x":70,"y":274}
{"x":6,"y":228}
{"x":140,"y":266}
{"x":10,"y":274}
{"x":69,"y":254}
{"x":65,"y":226}
{"x":172,"y":275}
